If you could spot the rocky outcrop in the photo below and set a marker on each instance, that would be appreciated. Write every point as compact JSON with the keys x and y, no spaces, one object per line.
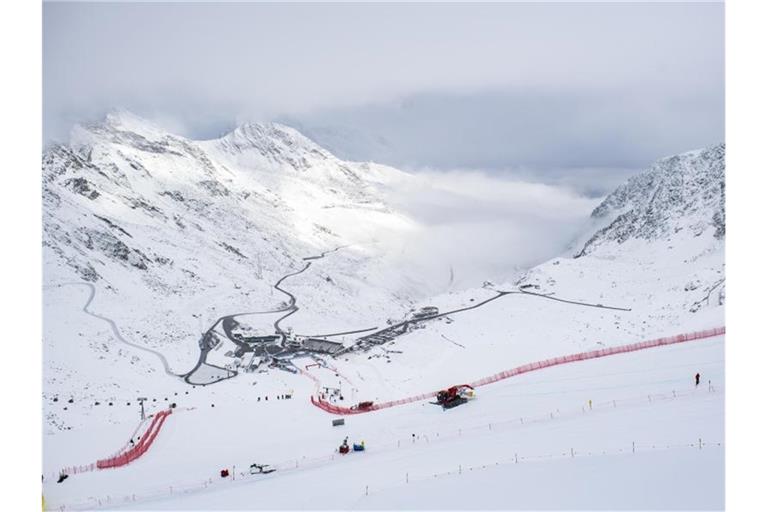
{"x":680,"y":193}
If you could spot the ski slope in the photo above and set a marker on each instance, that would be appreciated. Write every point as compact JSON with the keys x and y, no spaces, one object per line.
{"x":174,"y":234}
{"x":646,"y":398}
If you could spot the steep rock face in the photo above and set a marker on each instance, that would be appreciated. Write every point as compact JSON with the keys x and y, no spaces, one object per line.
{"x":683,"y":193}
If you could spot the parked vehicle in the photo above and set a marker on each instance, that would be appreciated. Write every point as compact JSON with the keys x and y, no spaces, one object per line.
{"x":257,"y":469}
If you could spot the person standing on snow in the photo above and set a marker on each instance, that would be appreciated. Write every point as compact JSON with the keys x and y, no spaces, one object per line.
{"x":697,"y":378}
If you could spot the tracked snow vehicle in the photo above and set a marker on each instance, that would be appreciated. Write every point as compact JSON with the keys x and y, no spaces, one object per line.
{"x":454,"y":396}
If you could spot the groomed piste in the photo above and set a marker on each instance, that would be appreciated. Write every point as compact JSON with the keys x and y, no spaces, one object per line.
{"x":538,"y":365}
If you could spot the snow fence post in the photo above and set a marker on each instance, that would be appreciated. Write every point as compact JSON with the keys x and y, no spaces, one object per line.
{"x":633,"y":447}
{"x":366,"y":490}
{"x":459,"y":468}
{"x":572,"y":453}
{"x":699,"y":443}
{"x":515,"y":458}
{"x":406,"y":478}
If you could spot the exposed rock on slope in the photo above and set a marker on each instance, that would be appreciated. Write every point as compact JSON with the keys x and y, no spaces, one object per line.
{"x":680,"y":193}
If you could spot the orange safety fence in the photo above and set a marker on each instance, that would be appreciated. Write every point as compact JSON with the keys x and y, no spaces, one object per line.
{"x":538,"y":365}
{"x":128,"y":456}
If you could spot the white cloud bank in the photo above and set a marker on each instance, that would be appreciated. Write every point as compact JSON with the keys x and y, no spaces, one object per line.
{"x":476,"y":226}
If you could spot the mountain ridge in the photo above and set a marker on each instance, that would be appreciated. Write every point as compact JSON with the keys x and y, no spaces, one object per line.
{"x":684,"y":192}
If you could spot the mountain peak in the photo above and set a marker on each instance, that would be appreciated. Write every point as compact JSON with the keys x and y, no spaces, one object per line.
{"x":273,"y":142}
{"x":123,"y":120}
{"x":680,"y":193}
{"x":118,"y":126}
{"x":258,"y":133}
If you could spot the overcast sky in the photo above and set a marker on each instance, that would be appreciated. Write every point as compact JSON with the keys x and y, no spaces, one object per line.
{"x":547,"y":89}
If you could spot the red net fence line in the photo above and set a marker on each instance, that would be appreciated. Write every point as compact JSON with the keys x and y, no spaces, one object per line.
{"x":432,"y":437}
{"x":387,"y":481}
{"x":538,"y":365}
{"x":127,"y":446}
{"x":141,"y":447}
{"x":73,"y":470}
{"x":313,"y":378}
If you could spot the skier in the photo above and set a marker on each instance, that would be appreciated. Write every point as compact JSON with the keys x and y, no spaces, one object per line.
{"x":697,"y":378}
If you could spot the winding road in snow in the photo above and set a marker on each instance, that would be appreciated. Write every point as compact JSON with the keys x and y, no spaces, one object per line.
{"x":228,"y":320}
{"x":113,"y":326}
{"x":289,"y":309}
{"x":404,"y":324}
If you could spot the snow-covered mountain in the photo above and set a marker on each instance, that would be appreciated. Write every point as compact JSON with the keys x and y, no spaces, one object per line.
{"x":124,"y":193}
{"x":172,"y":234}
{"x":198,"y":229}
{"x":177,"y":232}
{"x":684,"y":192}
{"x":651,"y":264}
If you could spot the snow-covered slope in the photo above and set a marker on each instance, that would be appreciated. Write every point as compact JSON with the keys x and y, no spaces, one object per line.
{"x":127,"y":202}
{"x":174,"y":233}
{"x":679,"y":193}
{"x":595,"y":435}
{"x":170,"y":234}
{"x":656,"y":270}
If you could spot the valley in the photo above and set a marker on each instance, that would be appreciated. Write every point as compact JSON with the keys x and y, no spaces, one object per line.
{"x":186,"y":273}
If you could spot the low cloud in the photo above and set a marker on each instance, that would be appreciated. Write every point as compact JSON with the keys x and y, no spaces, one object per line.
{"x":483,"y":227}
{"x":490,"y":86}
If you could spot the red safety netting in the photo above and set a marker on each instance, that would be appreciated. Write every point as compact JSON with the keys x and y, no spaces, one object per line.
{"x":538,"y":365}
{"x":141,"y":447}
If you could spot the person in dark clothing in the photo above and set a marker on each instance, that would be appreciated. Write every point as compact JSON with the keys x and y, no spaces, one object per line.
{"x":697,"y":379}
